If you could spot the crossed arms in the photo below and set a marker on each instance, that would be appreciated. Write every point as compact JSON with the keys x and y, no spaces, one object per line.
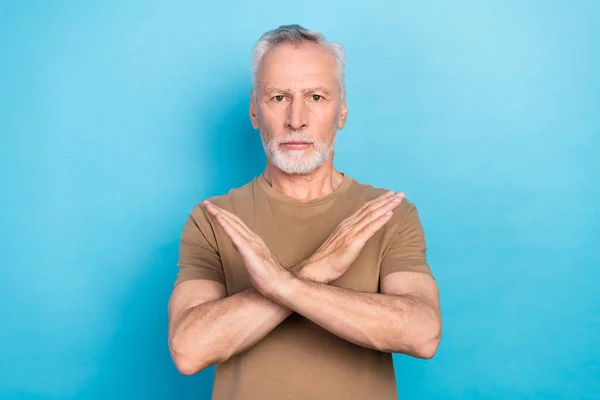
{"x":404,"y":318}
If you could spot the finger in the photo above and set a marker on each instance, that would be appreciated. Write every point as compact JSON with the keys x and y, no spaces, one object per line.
{"x":232,"y":218}
{"x":236,"y":220}
{"x":373,"y":214}
{"x":378,"y":200}
{"x":383,"y":202}
{"x":234,"y":234}
{"x":372,"y":227}
{"x":211,"y":208}
{"x":225,"y":217}
{"x":385,"y":197}
{"x":214,"y":209}
{"x":243,"y":240}
{"x":238,"y":224}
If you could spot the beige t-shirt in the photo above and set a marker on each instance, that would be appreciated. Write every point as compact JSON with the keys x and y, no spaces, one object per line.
{"x":299,"y":359}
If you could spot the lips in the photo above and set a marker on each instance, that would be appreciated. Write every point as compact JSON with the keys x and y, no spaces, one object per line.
{"x":296,"y":145}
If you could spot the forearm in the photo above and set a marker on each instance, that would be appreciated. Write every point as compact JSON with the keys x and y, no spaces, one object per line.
{"x":215,"y":331}
{"x":392,"y":323}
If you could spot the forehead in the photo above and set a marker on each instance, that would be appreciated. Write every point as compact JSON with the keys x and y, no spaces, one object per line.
{"x":304,"y":65}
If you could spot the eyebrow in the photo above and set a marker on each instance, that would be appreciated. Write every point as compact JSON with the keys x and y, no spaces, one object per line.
{"x":304,"y":91}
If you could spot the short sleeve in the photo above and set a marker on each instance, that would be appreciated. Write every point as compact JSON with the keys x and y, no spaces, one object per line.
{"x":407,"y":251}
{"x":198,"y":253}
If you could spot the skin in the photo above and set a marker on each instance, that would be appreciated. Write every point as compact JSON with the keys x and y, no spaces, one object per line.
{"x":297,"y":75}
{"x":404,"y":318}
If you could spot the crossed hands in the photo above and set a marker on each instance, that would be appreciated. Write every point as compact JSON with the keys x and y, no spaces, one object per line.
{"x":331,"y":260}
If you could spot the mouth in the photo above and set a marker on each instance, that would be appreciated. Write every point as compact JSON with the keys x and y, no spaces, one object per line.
{"x":296,"y":145}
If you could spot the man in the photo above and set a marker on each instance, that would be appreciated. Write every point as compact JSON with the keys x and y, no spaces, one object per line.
{"x":300,"y":284}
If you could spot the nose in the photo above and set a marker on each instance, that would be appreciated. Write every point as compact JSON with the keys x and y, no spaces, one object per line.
{"x":297,"y":118}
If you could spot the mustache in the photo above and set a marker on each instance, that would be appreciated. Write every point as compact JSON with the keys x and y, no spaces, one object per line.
{"x":295,"y":137}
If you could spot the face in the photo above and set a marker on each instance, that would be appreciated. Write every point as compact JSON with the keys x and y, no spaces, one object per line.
{"x":298,"y":107}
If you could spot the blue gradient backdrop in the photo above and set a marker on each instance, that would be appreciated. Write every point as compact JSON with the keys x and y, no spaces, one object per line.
{"x":117,"y":117}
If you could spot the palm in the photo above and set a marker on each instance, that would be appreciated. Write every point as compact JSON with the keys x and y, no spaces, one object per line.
{"x":263,"y":268}
{"x":344,"y":245}
{"x":260,"y":264}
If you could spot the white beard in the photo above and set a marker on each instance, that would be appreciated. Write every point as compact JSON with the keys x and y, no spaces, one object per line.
{"x":298,"y":162}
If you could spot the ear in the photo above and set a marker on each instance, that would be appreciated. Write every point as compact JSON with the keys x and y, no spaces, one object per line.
{"x":343,"y":113}
{"x":253,"y":116}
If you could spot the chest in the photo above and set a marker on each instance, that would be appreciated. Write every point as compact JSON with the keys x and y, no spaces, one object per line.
{"x":292,"y":239}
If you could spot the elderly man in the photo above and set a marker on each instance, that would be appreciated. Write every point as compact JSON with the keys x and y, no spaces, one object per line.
{"x":300,"y":284}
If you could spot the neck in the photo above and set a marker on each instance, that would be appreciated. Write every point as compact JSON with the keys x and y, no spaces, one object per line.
{"x":320,"y":183}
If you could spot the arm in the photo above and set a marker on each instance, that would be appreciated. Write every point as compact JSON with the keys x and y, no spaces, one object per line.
{"x":404,"y":318}
{"x":199,"y":308}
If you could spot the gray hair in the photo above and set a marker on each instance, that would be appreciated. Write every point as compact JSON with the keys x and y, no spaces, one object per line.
{"x":296,"y":34}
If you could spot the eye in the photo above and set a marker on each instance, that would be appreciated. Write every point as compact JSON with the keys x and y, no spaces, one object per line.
{"x":279,"y":98}
{"x":316,"y":97}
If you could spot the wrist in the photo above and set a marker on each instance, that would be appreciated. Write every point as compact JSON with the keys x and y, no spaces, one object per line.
{"x":281,"y":287}
{"x":311,"y":271}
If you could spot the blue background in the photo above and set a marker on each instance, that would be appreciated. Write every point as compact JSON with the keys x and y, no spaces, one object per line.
{"x":117,"y":117}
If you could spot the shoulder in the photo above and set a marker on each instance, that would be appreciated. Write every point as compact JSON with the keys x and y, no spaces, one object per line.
{"x":232,"y":200}
{"x":368,"y":192}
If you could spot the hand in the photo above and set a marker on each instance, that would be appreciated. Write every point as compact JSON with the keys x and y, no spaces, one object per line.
{"x":339,"y":251}
{"x":263,"y":268}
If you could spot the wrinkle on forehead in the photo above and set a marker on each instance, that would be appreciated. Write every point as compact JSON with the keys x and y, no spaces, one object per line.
{"x":321,"y":89}
{"x":298,"y":67}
